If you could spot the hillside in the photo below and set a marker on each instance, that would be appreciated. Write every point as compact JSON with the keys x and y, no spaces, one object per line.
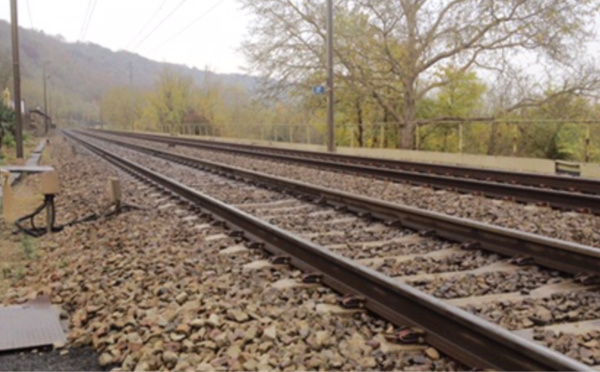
{"x":82,"y":72}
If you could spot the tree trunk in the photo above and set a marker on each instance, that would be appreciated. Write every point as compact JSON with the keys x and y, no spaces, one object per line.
{"x":408,"y":130}
{"x":361,"y":128}
{"x":409,"y":113}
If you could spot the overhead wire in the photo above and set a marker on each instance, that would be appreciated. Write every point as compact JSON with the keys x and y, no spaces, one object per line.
{"x":89,"y":20}
{"x":29,"y":12}
{"x":188,"y":26}
{"x":147,"y":24}
{"x":85,"y":17}
{"x":159,"y":24}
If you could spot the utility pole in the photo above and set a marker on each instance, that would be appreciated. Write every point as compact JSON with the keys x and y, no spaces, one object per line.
{"x":51,"y":109}
{"x":131,"y":111}
{"x":16,"y":78}
{"x":46,"y":77}
{"x":330,"y":114}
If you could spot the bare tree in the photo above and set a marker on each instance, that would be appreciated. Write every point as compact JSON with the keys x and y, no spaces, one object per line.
{"x":393,"y":48}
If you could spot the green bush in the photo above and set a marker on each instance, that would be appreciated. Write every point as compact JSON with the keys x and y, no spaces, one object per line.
{"x":8,"y":140}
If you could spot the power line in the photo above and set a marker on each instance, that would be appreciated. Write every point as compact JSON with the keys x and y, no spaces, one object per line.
{"x":190,"y":24}
{"x":29,"y":12}
{"x":159,"y":24}
{"x":147,"y":24}
{"x":85,"y":17}
{"x":89,"y":19}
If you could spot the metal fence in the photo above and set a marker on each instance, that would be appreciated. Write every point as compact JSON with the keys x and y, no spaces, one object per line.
{"x":555,"y":139}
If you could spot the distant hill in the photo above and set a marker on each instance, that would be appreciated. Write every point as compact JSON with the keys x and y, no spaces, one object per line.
{"x":82,"y":72}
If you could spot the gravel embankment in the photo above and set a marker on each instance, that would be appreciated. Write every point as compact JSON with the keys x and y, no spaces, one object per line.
{"x":344,"y":233}
{"x":152,"y":289}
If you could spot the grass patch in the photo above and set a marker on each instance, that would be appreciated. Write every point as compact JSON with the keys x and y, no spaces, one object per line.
{"x":8,"y":150}
{"x":28,"y":247}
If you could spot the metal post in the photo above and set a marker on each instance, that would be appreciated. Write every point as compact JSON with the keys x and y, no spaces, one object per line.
{"x":330,"y":114}
{"x":514,"y":149}
{"x":460,"y":138}
{"x":417,"y":137}
{"x":49,"y":213}
{"x":381,"y":135}
{"x":14,"y":19}
{"x":46,"y":77}
{"x":587,"y":143}
{"x":308,"y":134}
{"x":50,"y":106}
{"x":291,"y":134}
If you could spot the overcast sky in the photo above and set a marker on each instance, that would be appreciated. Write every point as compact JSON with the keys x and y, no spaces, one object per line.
{"x":216,"y":27}
{"x":197,"y":33}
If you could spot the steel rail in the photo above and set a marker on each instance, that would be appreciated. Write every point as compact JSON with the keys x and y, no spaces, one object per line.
{"x":558,"y":198}
{"x":568,"y":183}
{"x":455,"y":332}
{"x":556,"y":254}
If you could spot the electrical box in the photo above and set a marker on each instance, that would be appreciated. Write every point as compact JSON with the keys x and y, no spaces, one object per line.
{"x":50,"y":183}
{"x":114,"y":190}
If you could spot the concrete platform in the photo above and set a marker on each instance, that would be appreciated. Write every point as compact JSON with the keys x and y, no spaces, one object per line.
{"x":533,"y":165}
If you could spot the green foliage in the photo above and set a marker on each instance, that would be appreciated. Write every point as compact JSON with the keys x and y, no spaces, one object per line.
{"x":171,"y":100}
{"x":28,"y":248}
{"x":554,"y":137}
{"x":121,"y":106}
{"x":7,"y":119}
{"x":8,"y":140}
{"x":460,"y":97}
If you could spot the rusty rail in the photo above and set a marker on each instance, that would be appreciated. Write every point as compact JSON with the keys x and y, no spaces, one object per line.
{"x":562,"y":192}
{"x":462,"y":335}
{"x":553,"y":253}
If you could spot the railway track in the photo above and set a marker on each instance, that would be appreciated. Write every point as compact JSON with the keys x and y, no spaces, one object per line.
{"x":562,"y":192}
{"x":399,"y":260}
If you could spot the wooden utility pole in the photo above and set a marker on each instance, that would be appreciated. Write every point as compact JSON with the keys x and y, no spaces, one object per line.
{"x":131,"y":110}
{"x":16,"y":78}
{"x":330,"y":113}
{"x":46,"y":77}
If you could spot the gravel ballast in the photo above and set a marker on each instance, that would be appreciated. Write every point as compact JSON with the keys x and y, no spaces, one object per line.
{"x":161,"y":287}
{"x":566,"y":225}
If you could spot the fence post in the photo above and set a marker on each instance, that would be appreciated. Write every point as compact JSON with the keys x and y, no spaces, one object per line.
{"x":460,"y":138}
{"x":418,"y":137}
{"x":381,"y":135}
{"x":308,"y":134}
{"x":291,"y":138}
{"x":587,"y":143}
{"x":514,"y":149}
